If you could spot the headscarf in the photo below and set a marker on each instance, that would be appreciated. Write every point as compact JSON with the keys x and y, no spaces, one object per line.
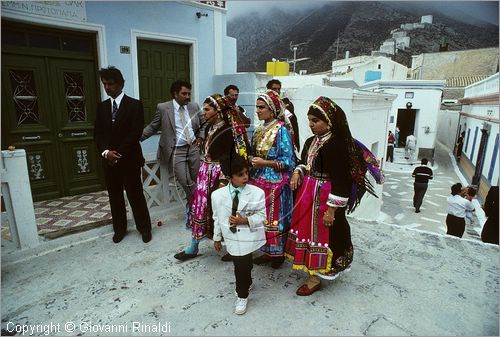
{"x":220,"y":103}
{"x":360,"y":158}
{"x":277,"y":107}
{"x":225,"y":107}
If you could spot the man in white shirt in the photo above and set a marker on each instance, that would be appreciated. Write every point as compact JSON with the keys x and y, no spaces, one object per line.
{"x":182,"y":131}
{"x":411,"y":147}
{"x":457,"y":208}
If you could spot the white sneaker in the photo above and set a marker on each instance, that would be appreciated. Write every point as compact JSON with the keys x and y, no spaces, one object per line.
{"x":240,"y":306}
{"x":249,"y":288}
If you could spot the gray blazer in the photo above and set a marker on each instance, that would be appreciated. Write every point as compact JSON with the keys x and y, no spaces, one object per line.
{"x":164,"y":120}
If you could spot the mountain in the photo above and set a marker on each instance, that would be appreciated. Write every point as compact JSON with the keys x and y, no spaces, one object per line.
{"x":358,"y":27}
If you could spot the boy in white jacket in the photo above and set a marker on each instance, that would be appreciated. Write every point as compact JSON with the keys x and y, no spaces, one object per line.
{"x":239,"y":211}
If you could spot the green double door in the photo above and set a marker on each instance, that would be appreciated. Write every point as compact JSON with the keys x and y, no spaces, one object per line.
{"x":48,"y":109}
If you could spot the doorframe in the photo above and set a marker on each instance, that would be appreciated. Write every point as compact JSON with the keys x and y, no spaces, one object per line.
{"x":100,"y":30}
{"x":136,"y":34}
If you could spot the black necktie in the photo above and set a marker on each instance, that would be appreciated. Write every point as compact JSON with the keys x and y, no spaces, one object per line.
{"x":113,"y":112}
{"x":236,"y":200}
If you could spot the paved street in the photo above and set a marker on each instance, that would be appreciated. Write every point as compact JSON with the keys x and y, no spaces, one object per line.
{"x":398,"y":207}
{"x":402,"y":282}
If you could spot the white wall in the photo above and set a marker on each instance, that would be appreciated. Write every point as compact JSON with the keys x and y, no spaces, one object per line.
{"x":426,"y":100}
{"x":471,"y":151}
{"x":485,"y":87}
{"x":487,"y":111}
{"x":427,"y":103}
{"x":390,"y":70}
{"x":448,"y":126}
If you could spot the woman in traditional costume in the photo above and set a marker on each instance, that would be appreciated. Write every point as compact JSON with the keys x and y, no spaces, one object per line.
{"x":224,"y":134}
{"x":273,"y":163}
{"x":330,"y":180}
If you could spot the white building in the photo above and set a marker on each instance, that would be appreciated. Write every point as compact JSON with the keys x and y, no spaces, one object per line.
{"x":414,"y":111}
{"x":479,"y":119}
{"x":388,"y":47}
{"x":402,"y":42}
{"x":426,"y":19}
{"x":362,"y":69}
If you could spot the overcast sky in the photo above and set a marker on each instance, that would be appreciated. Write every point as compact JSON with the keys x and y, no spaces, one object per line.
{"x":485,"y":10}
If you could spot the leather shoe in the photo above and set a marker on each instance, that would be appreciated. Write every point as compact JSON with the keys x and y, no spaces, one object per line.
{"x":263,"y":259}
{"x":118,"y":237}
{"x":183,"y":256}
{"x":146,"y":237}
{"x":226,"y":258}
{"x":277,"y":262}
{"x":304,"y":290}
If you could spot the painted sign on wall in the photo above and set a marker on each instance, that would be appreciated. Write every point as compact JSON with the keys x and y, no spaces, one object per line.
{"x":69,"y":10}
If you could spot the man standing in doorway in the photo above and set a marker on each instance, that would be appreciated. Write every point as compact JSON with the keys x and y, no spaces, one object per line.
{"x":182,"y":129}
{"x":117,"y":130}
{"x":422,"y":175}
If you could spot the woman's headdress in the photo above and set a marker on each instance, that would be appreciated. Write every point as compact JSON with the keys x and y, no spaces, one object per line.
{"x":224,"y":105}
{"x":276,"y":105}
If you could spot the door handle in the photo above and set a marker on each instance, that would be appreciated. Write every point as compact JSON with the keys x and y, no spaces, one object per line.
{"x":78,"y":134}
{"x":31,"y":137}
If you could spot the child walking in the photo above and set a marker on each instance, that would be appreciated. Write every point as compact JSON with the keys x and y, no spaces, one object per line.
{"x":239,"y":211}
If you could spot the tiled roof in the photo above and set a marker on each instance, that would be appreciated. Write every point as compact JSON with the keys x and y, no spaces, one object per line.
{"x":463,"y":81}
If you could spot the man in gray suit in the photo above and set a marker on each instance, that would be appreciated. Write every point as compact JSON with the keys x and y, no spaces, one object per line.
{"x":182,"y":130}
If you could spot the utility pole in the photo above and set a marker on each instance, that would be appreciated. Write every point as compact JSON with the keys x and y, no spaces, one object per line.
{"x":294,"y":47}
{"x":338,"y":38}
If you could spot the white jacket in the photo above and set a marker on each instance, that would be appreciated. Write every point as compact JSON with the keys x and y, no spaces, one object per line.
{"x":247,"y":238}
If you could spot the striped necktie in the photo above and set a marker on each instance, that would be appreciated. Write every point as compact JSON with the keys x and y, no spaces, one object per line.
{"x":113,"y":112}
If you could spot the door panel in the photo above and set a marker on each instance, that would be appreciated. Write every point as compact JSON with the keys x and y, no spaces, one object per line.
{"x":75,"y":96}
{"x":27,"y":122}
{"x":160,"y":64}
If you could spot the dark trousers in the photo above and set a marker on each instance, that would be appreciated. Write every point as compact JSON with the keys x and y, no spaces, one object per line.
{"x":129,"y":178}
{"x":418,"y":196}
{"x":243,"y":272}
{"x":390,"y":153}
{"x":456,"y":225}
{"x":489,"y":233}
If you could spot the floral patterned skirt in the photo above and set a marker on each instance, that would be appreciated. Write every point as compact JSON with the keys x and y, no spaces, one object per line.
{"x":312,"y":246}
{"x":200,"y":209}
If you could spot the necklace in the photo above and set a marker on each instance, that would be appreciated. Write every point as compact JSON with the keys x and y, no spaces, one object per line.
{"x":211,"y":131}
{"x":264,"y":136}
{"x":314,"y":149}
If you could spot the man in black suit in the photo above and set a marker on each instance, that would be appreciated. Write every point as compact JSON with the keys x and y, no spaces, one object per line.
{"x":117,"y":130}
